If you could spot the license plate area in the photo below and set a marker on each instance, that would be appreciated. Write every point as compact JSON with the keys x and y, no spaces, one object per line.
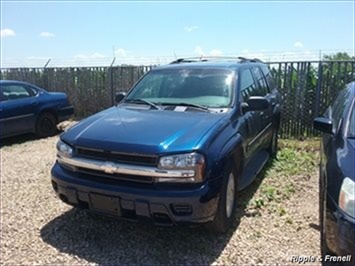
{"x":105,"y":204}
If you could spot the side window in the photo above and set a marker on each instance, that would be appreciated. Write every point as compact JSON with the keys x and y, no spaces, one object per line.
{"x":14,"y":92}
{"x":2,"y":96}
{"x":33,"y":91}
{"x":263,"y":88}
{"x":247,"y":84}
{"x":269,"y":78}
{"x":337,"y":109}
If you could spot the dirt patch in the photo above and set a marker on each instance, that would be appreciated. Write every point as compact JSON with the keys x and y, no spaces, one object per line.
{"x":277,"y":218}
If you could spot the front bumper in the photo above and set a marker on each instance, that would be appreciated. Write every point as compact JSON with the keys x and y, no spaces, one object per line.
{"x":340,"y":232}
{"x":161,"y":205}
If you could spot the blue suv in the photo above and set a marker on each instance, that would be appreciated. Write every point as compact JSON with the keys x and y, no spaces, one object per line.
{"x":177,"y":148}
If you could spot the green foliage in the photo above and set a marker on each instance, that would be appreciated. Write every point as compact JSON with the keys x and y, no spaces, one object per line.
{"x":282,"y":211}
{"x":270,"y":193}
{"x":338,"y":56}
{"x":296,"y":160}
{"x":259,"y":203}
{"x":308,"y":89}
{"x":289,"y":220}
{"x":337,"y":71}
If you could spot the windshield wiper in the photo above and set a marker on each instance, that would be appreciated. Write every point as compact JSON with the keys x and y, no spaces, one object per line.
{"x":188,"y":105}
{"x":143,"y":101}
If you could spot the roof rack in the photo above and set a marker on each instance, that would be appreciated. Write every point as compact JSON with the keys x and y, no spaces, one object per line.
{"x":254,"y":60}
{"x":209,"y":58}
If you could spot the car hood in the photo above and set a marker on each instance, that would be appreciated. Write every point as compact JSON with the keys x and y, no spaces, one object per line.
{"x":142,"y":131}
{"x":346,"y":157}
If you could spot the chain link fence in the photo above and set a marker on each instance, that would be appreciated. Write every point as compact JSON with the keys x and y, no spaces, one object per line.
{"x":307,"y":87}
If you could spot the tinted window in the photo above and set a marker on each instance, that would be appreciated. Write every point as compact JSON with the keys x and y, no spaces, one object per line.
{"x":262,"y":86}
{"x":337,"y":110}
{"x":269,"y":77}
{"x":208,"y":87}
{"x":14,"y":92}
{"x":247,"y":84}
{"x":34,"y":91}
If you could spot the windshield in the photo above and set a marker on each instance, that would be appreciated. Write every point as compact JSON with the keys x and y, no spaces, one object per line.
{"x":210,"y":88}
{"x":351,"y":133}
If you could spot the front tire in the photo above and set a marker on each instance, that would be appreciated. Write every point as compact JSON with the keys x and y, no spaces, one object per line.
{"x":227,"y":204}
{"x":46,"y":125}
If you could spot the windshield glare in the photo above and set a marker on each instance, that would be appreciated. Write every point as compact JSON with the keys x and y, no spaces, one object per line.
{"x":207,"y":87}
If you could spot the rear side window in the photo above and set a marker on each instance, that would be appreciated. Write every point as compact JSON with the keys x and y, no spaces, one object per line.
{"x":33,"y":91}
{"x":268,"y":76}
{"x":263,"y":88}
{"x":247,"y":84}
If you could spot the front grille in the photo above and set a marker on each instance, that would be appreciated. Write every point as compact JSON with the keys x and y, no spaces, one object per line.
{"x":101,"y":177}
{"x":150,"y":160}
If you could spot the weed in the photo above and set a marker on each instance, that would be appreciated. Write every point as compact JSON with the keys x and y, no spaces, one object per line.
{"x":270,"y":193}
{"x":259,"y":203}
{"x":282,"y":211}
{"x":289,"y":220}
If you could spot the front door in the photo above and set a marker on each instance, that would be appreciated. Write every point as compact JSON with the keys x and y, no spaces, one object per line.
{"x":17,"y":109}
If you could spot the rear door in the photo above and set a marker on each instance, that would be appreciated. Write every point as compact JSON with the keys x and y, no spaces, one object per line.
{"x":17,"y":109}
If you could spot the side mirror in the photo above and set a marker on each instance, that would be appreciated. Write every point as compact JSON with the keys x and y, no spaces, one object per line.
{"x":255,"y":103}
{"x":323,"y":124}
{"x":119,"y":97}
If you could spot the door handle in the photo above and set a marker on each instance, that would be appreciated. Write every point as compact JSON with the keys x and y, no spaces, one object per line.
{"x":34,"y":103}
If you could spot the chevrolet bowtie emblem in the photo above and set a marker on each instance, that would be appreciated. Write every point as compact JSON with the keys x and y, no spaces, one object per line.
{"x":108,"y":168}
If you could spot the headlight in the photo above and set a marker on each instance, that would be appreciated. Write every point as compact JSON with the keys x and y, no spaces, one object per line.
{"x":64,"y":149}
{"x":194,"y":162}
{"x":181,"y":161}
{"x":347,"y":197}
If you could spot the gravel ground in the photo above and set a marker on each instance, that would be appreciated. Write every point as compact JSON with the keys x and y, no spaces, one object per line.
{"x":277,"y":219}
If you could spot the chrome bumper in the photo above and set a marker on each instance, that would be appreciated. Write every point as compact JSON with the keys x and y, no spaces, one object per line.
{"x":109,"y":167}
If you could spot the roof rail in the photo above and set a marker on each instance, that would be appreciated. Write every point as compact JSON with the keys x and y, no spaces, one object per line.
{"x":208,"y":58}
{"x":184,"y":60}
{"x":254,"y":60}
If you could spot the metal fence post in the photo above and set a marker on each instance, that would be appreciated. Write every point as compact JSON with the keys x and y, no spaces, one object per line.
{"x":319,"y":85}
{"x":111,"y":82}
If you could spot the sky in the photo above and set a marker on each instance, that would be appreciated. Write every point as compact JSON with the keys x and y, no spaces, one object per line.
{"x":151,"y":32}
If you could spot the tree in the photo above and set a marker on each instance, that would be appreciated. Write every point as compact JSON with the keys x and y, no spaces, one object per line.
{"x":338,"y":56}
{"x":337,"y":71}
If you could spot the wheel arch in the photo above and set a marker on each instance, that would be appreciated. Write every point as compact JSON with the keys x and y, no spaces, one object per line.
{"x":232,"y":151}
{"x":48,"y":110}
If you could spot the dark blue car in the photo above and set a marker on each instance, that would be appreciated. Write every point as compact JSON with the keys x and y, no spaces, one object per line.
{"x":176,"y":148}
{"x":25,"y":108}
{"x":337,"y":167}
